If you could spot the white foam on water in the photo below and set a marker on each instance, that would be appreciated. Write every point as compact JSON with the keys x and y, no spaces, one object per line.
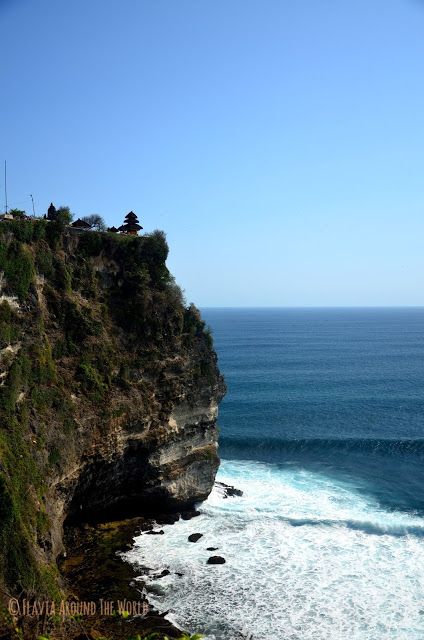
{"x":307,"y":557}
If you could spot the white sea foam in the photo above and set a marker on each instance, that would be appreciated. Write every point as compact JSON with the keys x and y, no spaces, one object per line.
{"x":307,"y":557}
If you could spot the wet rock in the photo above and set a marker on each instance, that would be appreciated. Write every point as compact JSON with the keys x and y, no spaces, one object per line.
{"x":189,"y":514}
{"x":155,"y":533}
{"x":194,"y":537}
{"x":156,"y":589}
{"x":216,"y":560}
{"x":162,"y":574}
{"x":167,"y":518}
{"x":227,"y":490}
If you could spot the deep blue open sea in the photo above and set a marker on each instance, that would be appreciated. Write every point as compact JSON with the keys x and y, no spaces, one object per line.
{"x":323,"y":430}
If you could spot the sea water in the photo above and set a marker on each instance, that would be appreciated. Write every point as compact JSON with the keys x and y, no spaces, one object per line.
{"x":323,"y":431}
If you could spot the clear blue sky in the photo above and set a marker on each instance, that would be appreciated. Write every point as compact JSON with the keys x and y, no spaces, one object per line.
{"x":280,"y":144}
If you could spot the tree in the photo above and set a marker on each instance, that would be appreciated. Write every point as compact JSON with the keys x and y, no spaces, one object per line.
{"x":96,"y":222}
{"x":64,"y":215}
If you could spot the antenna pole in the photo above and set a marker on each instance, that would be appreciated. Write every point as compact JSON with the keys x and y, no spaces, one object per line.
{"x":33,"y":207}
{"x":5,"y":183}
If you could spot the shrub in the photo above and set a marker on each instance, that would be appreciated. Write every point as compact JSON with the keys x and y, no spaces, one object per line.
{"x":44,"y":370}
{"x":39,"y":229}
{"x":62,"y":276}
{"x":155,"y":252}
{"x":44,"y":259}
{"x":54,"y":457}
{"x":64,"y":216}
{"x":90,"y":244}
{"x":5,"y":324}
{"x":193,"y":322}
{"x":6,"y":506}
{"x":17,"y":264}
{"x":91,"y":380}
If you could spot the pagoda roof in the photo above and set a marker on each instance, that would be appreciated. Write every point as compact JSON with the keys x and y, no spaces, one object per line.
{"x":81,"y":224}
{"x":131,"y":216}
{"x":130,"y":226}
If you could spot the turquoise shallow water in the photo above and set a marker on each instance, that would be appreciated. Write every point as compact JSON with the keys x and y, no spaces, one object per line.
{"x":323,"y":430}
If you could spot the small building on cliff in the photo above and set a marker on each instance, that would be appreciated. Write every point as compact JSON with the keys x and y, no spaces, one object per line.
{"x":131,"y":225}
{"x":81,"y":224}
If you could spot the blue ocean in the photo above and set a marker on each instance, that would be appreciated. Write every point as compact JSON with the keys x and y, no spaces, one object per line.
{"x":322,"y":429}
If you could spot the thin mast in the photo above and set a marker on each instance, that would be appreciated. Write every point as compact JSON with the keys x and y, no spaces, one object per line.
{"x":33,"y":207}
{"x":5,"y":183}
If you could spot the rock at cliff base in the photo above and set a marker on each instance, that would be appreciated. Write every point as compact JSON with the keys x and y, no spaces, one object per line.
{"x":216,"y":560}
{"x":191,"y":513}
{"x":227,"y":491}
{"x":167,"y":518}
{"x":155,"y":533}
{"x":194,"y":537}
{"x":162,"y":574}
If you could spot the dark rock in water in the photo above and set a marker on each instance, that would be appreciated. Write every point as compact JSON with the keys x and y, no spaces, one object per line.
{"x":228,"y":491}
{"x":167,"y":518}
{"x":232,"y":491}
{"x":216,"y":560}
{"x":189,"y":514}
{"x":156,"y":589}
{"x":155,"y":533}
{"x":194,"y":537}
{"x":162,"y":574}
{"x":212,"y":548}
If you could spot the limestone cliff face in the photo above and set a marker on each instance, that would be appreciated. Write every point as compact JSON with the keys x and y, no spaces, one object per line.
{"x":109,"y":389}
{"x":170,"y":466}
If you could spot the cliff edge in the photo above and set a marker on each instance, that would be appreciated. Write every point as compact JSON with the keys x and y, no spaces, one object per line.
{"x":109,"y":390}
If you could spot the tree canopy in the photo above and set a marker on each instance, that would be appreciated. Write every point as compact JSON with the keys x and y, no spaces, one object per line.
{"x":95,"y":221}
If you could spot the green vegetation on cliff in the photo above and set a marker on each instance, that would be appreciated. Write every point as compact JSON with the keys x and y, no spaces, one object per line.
{"x":91,"y":326}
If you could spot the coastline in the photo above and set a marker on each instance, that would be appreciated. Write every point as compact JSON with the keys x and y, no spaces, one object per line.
{"x":103,"y":598}
{"x":95,"y":570}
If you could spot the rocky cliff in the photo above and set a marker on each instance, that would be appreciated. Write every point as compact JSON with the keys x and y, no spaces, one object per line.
{"x":109,"y":390}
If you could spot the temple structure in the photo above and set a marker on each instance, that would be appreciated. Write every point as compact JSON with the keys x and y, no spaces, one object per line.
{"x":51,"y":212}
{"x":131,"y":225}
{"x":80,"y":224}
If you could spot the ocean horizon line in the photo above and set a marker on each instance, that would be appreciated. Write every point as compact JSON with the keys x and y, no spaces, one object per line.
{"x":288,"y":307}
